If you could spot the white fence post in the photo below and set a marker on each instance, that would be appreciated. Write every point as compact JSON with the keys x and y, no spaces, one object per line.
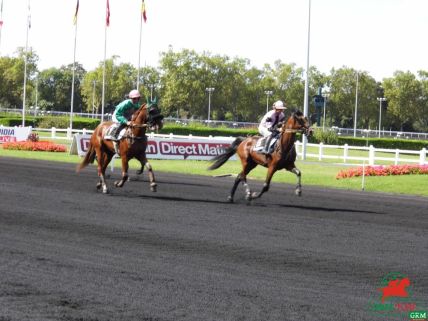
{"x":371,"y":155}
{"x":397,"y":157}
{"x":345,"y":153}
{"x":320,"y":152}
{"x":53,"y":132}
{"x":422,"y":156}
{"x":69,"y":133}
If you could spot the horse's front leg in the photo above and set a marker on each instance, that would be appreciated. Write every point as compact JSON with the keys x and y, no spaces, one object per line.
{"x":145,"y":163}
{"x":125,"y":167}
{"x":298,"y":173}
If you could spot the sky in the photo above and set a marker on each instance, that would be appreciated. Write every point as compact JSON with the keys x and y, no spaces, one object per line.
{"x":376,"y":36}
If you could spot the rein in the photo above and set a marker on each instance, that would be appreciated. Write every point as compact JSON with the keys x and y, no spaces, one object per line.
{"x":293,"y":131}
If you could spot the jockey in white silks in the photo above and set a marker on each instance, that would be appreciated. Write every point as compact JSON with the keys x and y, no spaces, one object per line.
{"x":269,"y":122}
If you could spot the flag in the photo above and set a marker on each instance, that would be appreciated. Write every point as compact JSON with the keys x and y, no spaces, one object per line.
{"x":143,"y":11}
{"x":75,"y":14}
{"x":108,"y":14}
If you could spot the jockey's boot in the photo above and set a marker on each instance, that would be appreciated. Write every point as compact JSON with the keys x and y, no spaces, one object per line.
{"x":266,"y":147}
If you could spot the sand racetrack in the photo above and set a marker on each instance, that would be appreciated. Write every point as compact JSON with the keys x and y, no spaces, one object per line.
{"x":67,"y":252}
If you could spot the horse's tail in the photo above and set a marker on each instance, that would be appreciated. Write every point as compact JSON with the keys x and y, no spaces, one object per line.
{"x":89,"y":158}
{"x":219,"y":160}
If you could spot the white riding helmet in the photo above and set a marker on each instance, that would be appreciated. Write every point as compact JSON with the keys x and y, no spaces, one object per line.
{"x":134,"y":94}
{"x":279,"y":105}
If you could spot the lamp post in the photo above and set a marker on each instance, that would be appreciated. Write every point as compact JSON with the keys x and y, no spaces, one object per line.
{"x":325,"y":95}
{"x":209,"y":90}
{"x":151,"y":86}
{"x":356,"y":108}
{"x":268,"y":93}
{"x":380,"y":100}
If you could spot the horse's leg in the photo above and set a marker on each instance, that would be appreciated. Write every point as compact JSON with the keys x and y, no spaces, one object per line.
{"x":125,"y":167}
{"x":242,"y":177}
{"x":102,"y":165}
{"x":144,"y":162}
{"x":266,"y":184}
{"x":298,"y":173}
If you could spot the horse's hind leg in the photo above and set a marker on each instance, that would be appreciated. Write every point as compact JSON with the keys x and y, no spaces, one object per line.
{"x":125,"y":167}
{"x":266,"y":185}
{"x":242,"y":177}
{"x":234,"y":187}
{"x":103,"y":161}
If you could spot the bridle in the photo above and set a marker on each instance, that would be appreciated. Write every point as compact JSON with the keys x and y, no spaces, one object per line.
{"x":151,"y":116}
{"x":304,"y":128}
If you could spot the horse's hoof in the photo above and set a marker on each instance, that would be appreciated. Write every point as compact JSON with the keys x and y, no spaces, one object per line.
{"x":298,"y":192}
{"x":98,"y":186}
{"x":230,"y":199}
{"x":105,"y":191}
{"x":254,"y":195}
{"x":249,"y":197}
{"x":153,"y":187}
{"x":116,"y":183}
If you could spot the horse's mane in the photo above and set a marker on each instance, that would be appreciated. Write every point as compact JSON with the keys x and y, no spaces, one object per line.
{"x":297,"y":113}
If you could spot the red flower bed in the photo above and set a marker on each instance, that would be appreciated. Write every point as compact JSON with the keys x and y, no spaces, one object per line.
{"x":43,"y":146}
{"x":383,"y":171}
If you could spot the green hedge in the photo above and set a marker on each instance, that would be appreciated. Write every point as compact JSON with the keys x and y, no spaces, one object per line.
{"x":205,"y":131}
{"x":389,"y":143}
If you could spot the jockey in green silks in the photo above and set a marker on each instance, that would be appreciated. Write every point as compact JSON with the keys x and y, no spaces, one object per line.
{"x":122,"y":114}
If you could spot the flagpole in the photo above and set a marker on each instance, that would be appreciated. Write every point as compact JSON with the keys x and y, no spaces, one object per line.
{"x":104,"y":75}
{"x":306,"y":102}
{"x":72,"y":81}
{"x":25,"y":67}
{"x":1,"y":21}
{"x":104,"y":65}
{"x":139,"y":53}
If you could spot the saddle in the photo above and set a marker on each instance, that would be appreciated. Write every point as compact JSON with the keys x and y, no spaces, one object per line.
{"x":260,"y":144}
{"x":110,"y":131}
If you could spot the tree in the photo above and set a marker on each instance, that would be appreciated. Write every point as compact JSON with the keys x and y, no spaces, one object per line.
{"x":54,"y":88}
{"x":12,"y":78}
{"x":404,"y":93}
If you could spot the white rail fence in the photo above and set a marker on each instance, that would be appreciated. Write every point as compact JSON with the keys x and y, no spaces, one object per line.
{"x":323,"y":152}
{"x":397,"y":155}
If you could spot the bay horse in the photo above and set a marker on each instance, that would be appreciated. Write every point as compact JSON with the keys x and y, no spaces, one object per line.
{"x":283,"y":157}
{"x":132,"y":144}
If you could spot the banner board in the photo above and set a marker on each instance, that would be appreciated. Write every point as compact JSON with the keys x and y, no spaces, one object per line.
{"x":14,"y":134}
{"x":169,"y":147}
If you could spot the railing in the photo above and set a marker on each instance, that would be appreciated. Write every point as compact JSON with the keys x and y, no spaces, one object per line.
{"x":345,"y":154}
{"x":397,"y":155}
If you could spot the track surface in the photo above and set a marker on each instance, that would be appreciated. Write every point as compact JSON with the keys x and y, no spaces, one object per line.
{"x":70,"y":253}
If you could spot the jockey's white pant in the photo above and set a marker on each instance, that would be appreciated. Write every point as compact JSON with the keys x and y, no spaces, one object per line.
{"x":264,"y":132}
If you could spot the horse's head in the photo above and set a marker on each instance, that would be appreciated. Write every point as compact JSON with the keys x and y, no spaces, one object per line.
{"x":298,"y":122}
{"x":155,"y":118}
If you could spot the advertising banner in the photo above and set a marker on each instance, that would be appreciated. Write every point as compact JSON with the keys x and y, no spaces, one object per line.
{"x":14,"y":134}
{"x":169,"y":147}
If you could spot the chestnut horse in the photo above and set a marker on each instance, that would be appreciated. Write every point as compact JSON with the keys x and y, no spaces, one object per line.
{"x":133,"y":144}
{"x":283,"y":156}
